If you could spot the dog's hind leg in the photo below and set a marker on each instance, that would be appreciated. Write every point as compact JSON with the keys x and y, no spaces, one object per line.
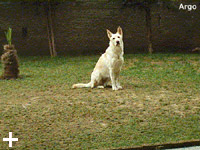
{"x":93,"y":80}
{"x":92,"y":84}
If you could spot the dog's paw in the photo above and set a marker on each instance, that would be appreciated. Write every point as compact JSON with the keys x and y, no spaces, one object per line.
{"x":114,"y":88}
{"x":117,"y":88}
{"x":120,"y":87}
{"x":100,"y":87}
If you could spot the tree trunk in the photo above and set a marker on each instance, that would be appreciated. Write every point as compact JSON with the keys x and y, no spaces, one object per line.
{"x":50,"y":41}
{"x":10,"y":63}
{"x":149,"y":27}
{"x":50,"y":31}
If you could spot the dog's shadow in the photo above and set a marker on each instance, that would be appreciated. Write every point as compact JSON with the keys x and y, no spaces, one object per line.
{"x":108,"y":86}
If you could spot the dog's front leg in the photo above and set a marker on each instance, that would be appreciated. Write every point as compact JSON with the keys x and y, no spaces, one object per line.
{"x":117,"y":82}
{"x":113,"y":80}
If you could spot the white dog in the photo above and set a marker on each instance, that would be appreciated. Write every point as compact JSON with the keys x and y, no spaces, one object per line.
{"x":109,"y":64}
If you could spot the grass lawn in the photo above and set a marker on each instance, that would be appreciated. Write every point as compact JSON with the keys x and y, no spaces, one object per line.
{"x":160,"y":103}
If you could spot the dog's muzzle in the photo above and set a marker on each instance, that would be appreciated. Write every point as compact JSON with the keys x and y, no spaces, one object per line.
{"x":117,"y":43}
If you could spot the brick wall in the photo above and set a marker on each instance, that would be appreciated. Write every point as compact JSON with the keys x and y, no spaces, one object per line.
{"x":80,"y":27}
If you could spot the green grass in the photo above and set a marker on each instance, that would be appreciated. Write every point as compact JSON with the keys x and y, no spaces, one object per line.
{"x":160,"y":103}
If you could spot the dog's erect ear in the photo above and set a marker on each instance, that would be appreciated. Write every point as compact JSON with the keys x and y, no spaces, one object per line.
{"x":119,"y":30}
{"x":109,"y":34}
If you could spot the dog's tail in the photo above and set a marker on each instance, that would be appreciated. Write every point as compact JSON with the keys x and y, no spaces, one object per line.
{"x":82,"y":85}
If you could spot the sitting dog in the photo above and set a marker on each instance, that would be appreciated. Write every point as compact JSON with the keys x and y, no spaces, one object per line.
{"x":109,"y":64}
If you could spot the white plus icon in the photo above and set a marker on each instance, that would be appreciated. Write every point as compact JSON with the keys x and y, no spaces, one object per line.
{"x":10,"y":139}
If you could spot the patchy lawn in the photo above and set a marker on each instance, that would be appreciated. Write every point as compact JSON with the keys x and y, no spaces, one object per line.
{"x":160,"y":103}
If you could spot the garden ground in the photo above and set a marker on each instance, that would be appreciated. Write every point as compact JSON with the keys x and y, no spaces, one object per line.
{"x":160,"y":103}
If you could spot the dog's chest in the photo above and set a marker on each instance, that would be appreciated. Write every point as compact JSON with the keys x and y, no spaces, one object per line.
{"x":114,"y":56}
{"x":117,"y":62}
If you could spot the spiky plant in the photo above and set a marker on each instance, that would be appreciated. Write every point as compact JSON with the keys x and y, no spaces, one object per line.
{"x":9,"y":59}
{"x":9,"y":36}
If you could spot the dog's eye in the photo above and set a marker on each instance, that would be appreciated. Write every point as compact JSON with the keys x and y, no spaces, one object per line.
{"x":118,"y":37}
{"x":113,"y":38}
